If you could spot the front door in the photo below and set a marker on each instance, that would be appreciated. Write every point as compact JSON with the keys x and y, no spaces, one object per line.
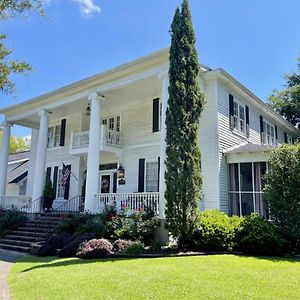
{"x":105,"y":183}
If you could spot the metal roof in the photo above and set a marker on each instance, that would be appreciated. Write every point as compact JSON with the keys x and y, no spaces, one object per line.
{"x":249,"y":148}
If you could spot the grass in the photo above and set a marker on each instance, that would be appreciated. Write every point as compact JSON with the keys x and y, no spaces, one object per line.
{"x":198,"y":277}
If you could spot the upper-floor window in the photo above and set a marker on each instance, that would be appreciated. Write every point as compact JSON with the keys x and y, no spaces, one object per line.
{"x":239,"y":119}
{"x":54,"y":133}
{"x":112,"y":123}
{"x":239,"y":116}
{"x":269,"y":137}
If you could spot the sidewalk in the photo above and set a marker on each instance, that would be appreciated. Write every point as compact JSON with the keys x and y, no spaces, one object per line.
{"x":7,"y":258}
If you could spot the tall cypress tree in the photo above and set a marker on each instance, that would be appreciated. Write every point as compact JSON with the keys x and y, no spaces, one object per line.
{"x":183,"y":171}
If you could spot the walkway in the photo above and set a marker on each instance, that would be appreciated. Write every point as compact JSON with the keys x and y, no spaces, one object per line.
{"x":7,"y":258}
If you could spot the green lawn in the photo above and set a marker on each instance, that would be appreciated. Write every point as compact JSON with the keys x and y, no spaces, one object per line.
{"x":201,"y":277}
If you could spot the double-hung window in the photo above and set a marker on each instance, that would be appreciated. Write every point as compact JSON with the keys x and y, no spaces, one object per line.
{"x":151,"y":176}
{"x":239,"y":117}
{"x":54,"y":133}
{"x":269,"y":134}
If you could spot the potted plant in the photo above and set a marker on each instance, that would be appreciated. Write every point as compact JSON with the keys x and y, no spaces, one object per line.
{"x":48,"y":195}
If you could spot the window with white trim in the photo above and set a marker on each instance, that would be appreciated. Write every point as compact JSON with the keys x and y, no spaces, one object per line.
{"x":151,"y":176}
{"x":239,"y":116}
{"x":269,"y":134}
{"x":246,"y":185}
{"x":59,"y":188}
{"x":54,"y":133}
{"x":289,"y":140}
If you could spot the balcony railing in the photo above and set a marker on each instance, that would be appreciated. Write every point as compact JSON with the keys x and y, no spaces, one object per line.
{"x":129,"y":202}
{"x":108,"y":137}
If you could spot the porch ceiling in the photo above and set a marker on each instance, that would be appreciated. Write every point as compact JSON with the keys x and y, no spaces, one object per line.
{"x":138,"y":90}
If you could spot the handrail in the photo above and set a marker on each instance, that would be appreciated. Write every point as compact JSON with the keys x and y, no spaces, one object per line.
{"x":30,"y":216}
{"x":74,"y":204}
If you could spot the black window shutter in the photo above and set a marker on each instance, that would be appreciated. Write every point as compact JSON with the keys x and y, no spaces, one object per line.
{"x":285,"y":138}
{"x":155,"y":115}
{"x":293,"y":139}
{"x":48,"y":174}
{"x":141,"y":178}
{"x":115,"y":179}
{"x":67,"y":186}
{"x":62,"y":132}
{"x":247,"y":122}
{"x":55,"y":181}
{"x":261,"y":121}
{"x":231,"y":111}
{"x":276,"y":132}
{"x":158,"y":174}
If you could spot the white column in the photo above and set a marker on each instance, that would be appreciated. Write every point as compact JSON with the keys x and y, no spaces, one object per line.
{"x":162,"y":170}
{"x":4,"y":156}
{"x":40,"y":159}
{"x":32,"y":161}
{"x":93,"y":159}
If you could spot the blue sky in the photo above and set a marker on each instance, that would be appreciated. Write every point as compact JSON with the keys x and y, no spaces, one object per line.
{"x":256,"y":41}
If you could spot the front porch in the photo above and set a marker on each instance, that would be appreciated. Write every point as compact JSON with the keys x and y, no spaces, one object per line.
{"x":122,"y":202}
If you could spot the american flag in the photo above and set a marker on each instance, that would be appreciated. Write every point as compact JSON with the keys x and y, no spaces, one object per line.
{"x":65,"y":176}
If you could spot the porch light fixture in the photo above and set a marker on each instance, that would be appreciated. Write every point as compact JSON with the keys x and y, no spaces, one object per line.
{"x":121,"y":172}
{"x":88,"y":110}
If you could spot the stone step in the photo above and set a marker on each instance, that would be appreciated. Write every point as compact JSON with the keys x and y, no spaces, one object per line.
{"x":15,"y":248}
{"x":15,"y":242}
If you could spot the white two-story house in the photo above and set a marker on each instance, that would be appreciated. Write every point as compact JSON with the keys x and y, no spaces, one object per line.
{"x":109,"y":131}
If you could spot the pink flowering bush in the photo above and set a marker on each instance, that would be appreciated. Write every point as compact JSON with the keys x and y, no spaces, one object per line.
{"x":95,"y":248}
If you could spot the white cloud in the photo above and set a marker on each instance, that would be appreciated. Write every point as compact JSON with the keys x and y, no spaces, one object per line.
{"x":88,"y":7}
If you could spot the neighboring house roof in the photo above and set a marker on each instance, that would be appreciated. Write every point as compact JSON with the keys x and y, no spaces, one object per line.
{"x":249,"y":148}
{"x":21,"y":160}
{"x":18,"y":157}
{"x":18,"y":173}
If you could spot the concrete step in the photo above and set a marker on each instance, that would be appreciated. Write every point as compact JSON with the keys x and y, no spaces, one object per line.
{"x":29,"y":233}
{"x":35,"y":229}
{"x":15,"y":248}
{"x":15,"y":242}
{"x":39,"y":225}
{"x":23,"y":238}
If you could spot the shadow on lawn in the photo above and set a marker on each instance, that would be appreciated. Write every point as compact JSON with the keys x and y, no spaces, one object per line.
{"x":56,"y":262}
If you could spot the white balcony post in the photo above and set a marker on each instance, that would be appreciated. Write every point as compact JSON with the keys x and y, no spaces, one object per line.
{"x":41,"y":152}
{"x":162,"y":170}
{"x":4,"y":156}
{"x":93,"y":159}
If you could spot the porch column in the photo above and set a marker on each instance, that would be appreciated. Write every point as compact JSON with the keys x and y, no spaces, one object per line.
{"x":162,"y":170}
{"x":40,"y":160}
{"x":93,"y":159}
{"x":4,"y":156}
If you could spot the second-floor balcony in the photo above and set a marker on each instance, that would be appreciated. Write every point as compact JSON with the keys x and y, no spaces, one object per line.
{"x":110,"y":141}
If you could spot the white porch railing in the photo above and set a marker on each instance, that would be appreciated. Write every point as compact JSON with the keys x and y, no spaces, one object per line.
{"x":129,"y":202}
{"x":8,"y":202}
{"x":108,"y":137}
